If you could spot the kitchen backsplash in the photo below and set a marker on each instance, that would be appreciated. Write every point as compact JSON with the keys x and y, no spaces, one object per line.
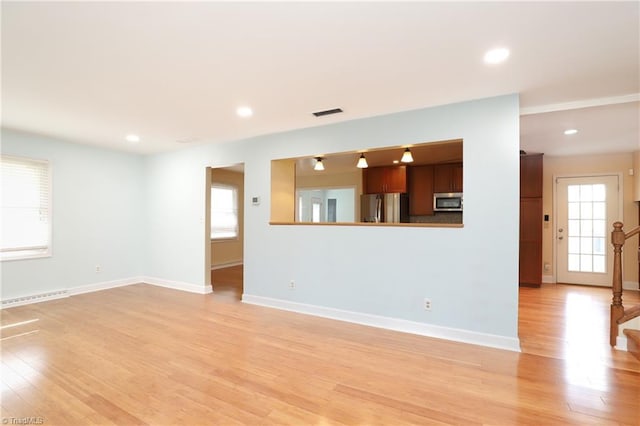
{"x":438,"y":217}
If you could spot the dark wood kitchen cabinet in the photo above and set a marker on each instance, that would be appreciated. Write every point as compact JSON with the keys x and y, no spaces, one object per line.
{"x":420,"y":190}
{"x":383,"y":180}
{"x":530,"y":262}
{"x":447,"y":177}
{"x":531,"y":176}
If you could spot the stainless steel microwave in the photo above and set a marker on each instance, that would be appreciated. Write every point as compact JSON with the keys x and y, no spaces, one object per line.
{"x":447,"y":202}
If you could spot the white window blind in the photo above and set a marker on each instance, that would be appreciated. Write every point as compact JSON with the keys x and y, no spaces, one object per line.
{"x":224,"y":212}
{"x":25,"y":207}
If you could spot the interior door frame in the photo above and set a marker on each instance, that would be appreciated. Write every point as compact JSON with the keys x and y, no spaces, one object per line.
{"x":554,"y":201}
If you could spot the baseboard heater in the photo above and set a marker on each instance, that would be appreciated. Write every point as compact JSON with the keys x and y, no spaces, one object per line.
{"x":34,"y":298}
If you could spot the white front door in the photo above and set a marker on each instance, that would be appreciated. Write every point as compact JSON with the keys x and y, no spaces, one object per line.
{"x":587,"y":208}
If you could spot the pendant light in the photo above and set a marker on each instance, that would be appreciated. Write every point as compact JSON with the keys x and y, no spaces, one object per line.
{"x":319,"y":166}
{"x":406,"y":156}
{"x":362,"y":162}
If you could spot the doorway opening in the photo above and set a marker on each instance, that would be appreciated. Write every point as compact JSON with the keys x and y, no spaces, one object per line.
{"x":587,"y":207}
{"x":225,"y":230}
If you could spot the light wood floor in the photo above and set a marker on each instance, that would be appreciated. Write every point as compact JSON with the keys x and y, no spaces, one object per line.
{"x":148,"y":355}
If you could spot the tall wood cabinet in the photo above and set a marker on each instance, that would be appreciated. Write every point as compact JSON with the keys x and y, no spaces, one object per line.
{"x":531,"y":220}
{"x":421,"y":190}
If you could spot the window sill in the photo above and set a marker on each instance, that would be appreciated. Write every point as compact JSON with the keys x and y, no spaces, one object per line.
{"x":224,"y":240}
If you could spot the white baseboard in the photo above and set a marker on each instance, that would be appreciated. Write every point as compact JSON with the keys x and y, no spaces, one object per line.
{"x":226,"y":265}
{"x":626,"y":285}
{"x":177,"y":285}
{"x":396,"y":324}
{"x":89,"y":288}
{"x":106,"y":285}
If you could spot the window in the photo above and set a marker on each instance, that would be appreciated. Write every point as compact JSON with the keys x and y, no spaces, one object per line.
{"x":26,"y":208}
{"x":224,"y":212}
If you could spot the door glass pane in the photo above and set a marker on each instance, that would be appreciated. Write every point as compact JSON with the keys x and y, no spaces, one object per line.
{"x":599,"y":228}
{"x":599,"y":246}
{"x":574,"y":228}
{"x":586,"y":192}
{"x":599,"y":210}
{"x":599,"y":192}
{"x":574,"y":211}
{"x":599,"y":264}
{"x":586,"y":245}
{"x":574,"y":193}
{"x":585,"y":210}
{"x":574,"y":245}
{"x":586,"y":263}
{"x":574,"y":262}
{"x":587,"y":228}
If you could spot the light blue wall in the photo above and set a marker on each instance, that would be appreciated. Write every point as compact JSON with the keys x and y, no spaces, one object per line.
{"x":470,"y":274}
{"x":345,"y":204}
{"x":98,"y":210}
{"x":146,"y":216}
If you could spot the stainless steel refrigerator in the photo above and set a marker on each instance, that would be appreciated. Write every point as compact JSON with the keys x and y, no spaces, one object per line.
{"x":384,"y":208}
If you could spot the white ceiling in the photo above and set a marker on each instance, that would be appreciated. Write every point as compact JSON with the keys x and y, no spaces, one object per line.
{"x":92,"y":72}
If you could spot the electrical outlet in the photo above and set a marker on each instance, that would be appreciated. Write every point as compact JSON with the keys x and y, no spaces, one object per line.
{"x":292,"y":284}
{"x":98,"y":269}
{"x":427,"y":304}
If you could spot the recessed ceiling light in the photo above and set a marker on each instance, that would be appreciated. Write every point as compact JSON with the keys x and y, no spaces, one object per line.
{"x":132,"y":138}
{"x":244,"y":111}
{"x":496,"y":56}
{"x":570,"y":131}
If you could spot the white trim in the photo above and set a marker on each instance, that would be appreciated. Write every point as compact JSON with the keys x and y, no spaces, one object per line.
{"x":396,"y":324}
{"x":630,"y":285}
{"x":106,"y":285}
{"x":177,"y":285}
{"x":548,"y":279}
{"x":554,"y":201}
{"x":227,"y":265}
{"x":585,"y":103}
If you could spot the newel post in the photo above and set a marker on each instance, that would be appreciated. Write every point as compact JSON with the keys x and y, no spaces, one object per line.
{"x":617,"y":310}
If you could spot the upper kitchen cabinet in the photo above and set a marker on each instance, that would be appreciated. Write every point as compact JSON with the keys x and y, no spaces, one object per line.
{"x":447,"y":177}
{"x":421,"y":190}
{"x":384,"y":180}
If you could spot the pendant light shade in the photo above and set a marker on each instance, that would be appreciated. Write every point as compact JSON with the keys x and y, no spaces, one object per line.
{"x":362,"y":162}
{"x":319,"y":166}
{"x":406,"y":156}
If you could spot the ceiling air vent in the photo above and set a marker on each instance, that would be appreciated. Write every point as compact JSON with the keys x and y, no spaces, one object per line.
{"x":328,"y":112}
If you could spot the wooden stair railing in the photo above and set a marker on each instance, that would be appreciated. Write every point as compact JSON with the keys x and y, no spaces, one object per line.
{"x":619,"y":314}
